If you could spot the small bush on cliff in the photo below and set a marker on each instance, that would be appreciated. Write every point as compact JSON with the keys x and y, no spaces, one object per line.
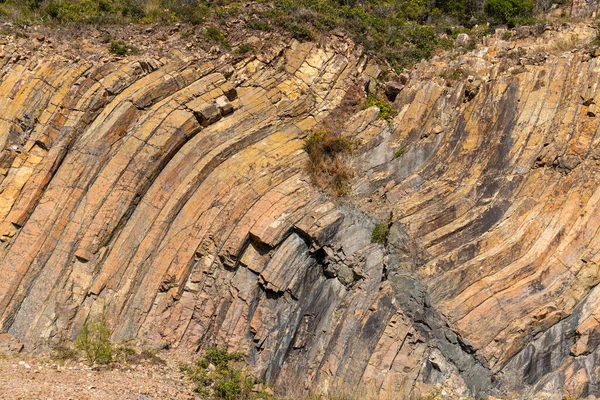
{"x":220,"y":375}
{"x":380,"y":233}
{"x":121,"y":48}
{"x":398,"y":153}
{"x":328,"y":164}
{"x":215,"y":35}
{"x":94,"y":340}
{"x":243,"y":49}
{"x":386,"y":110}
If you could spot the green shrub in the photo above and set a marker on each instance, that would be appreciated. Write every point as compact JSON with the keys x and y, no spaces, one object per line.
{"x":215,"y":35}
{"x":94,"y":340}
{"x":380,"y":232}
{"x":243,"y":49}
{"x":399,"y":153}
{"x":81,"y":11}
{"x":217,"y":356}
{"x":132,"y":9}
{"x":510,"y":12}
{"x":386,"y":110}
{"x":258,"y":25}
{"x":227,"y":380}
{"x":299,"y":32}
{"x":233,"y":384}
{"x":121,"y":48}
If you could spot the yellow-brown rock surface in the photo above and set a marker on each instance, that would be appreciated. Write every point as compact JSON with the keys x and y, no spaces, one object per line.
{"x":130,"y":184}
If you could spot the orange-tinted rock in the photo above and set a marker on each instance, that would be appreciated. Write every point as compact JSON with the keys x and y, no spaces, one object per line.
{"x":175,"y":194}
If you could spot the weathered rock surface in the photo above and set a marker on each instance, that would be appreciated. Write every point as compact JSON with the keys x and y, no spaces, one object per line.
{"x":173,"y":192}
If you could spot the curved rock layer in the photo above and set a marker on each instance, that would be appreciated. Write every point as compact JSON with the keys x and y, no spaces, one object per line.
{"x":173,"y":193}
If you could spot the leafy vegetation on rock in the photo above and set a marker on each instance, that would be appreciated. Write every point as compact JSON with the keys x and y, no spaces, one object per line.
{"x":380,"y":232}
{"x":121,"y":48}
{"x":216,"y":36}
{"x":398,"y":153}
{"x":386,"y":110}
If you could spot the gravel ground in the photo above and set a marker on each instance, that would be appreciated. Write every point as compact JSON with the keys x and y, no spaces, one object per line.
{"x":27,"y":378}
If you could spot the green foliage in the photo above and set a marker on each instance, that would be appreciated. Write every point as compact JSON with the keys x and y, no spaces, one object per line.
{"x":313,"y":142}
{"x":190,"y":11}
{"x":380,"y":232}
{"x":399,"y":153}
{"x":243,"y":49}
{"x":400,"y":31}
{"x":392,"y":29}
{"x":258,"y":25}
{"x":509,"y":12}
{"x":94,"y":340}
{"x":215,"y":35}
{"x":219,"y":375}
{"x":121,"y":48}
{"x":299,"y":32}
{"x":386,"y":110}
{"x":88,"y":11}
{"x":217,"y":356}
{"x":233,"y":384}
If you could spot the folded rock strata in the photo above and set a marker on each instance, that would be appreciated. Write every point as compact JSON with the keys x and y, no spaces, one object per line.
{"x":174,"y":194}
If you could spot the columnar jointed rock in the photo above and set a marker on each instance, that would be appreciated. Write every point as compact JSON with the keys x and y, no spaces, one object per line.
{"x":175,"y":195}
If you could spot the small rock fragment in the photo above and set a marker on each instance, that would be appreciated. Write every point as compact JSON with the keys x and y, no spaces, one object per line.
{"x":462,"y":40}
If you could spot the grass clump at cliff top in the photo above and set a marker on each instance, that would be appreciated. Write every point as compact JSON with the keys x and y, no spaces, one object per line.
{"x":220,"y":375}
{"x":328,"y":162}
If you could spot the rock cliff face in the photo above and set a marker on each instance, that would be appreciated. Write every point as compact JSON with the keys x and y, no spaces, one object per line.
{"x":173,"y":192}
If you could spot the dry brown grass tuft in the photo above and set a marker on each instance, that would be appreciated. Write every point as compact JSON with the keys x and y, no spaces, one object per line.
{"x":329,"y":151}
{"x":328,"y":162}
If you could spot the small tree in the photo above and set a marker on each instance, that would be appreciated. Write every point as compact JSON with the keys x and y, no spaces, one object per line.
{"x":94,"y":340}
